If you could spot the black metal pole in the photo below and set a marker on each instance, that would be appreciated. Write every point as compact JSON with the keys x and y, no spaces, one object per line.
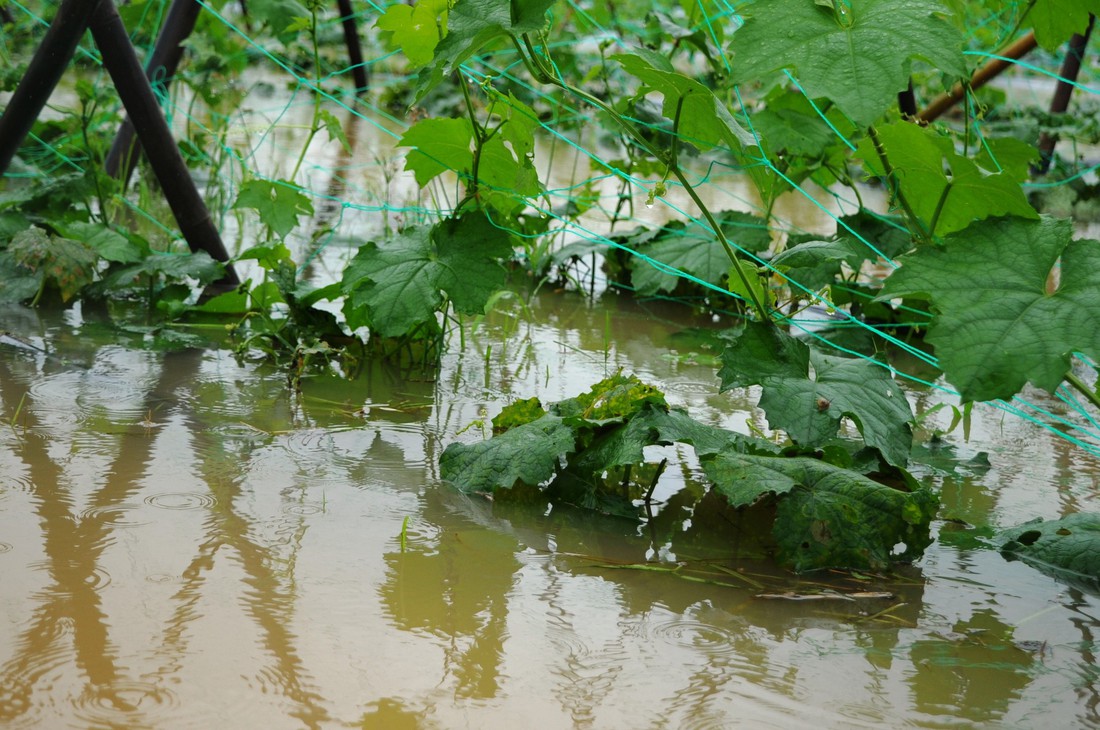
{"x":355,"y":52}
{"x":137,"y":96}
{"x":907,"y":102}
{"x":43,"y":73}
{"x":160,"y":68}
{"x":1059,"y":103}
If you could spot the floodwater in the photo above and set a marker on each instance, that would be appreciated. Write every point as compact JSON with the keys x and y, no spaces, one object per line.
{"x":186,"y":543}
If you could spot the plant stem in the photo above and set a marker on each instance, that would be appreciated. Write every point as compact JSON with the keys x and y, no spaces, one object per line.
{"x":1083,"y":388}
{"x":895,"y":184}
{"x":939,"y":208}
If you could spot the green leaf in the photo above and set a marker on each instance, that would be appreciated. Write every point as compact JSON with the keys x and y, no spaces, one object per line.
{"x":705,"y":122}
{"x":416,"y":30}
{"x":1067,"y":549}
{"x":1054,"y":21}
{"x":694,"y":251}
{"x":172,"y":266}
{"x":334,"y":128}
{"x":859,"y":58}
{"x":69,"y":265}
{"x":816,"y":264}
{"x":401,"y":282}
{"x":827,"y":516}
{"x":809,"y":405}
{"x":438,"y":145}
{"x":280,"y":15}
{"x":108,"y":243}
{"x":17,"y":283}
{"x":278,"y":202}
{"x":504,"y":165}
{"x":951,"y":199}
{"x":997,"y":326}
{"x":529,"y":453}
{"x":472,"y":24}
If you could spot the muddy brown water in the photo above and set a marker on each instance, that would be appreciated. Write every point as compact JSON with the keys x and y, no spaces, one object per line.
{"x":184,"y":543}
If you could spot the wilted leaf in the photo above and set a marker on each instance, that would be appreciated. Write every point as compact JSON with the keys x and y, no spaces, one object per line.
{"x":529,"y":454}
{"x":809,"y":405}
{"x":69,"y":265}
{"x":827,"y":516}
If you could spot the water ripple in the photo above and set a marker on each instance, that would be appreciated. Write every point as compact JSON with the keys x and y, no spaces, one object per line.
{"x":181,"y":500}
{"x":125,"y":703}
{"x":115,"y":515}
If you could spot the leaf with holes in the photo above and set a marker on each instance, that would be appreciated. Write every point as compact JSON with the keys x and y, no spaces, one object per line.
{"x":1067,"y":549}
{"x":998,"y":323}
{"x":807,"y":404}
{"x":858,"y":53}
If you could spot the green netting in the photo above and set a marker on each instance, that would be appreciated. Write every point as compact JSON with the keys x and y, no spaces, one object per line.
{"x":253,"y":82}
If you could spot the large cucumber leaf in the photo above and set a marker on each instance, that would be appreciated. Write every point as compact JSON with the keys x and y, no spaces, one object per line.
{"x":1067,"y":549}
{"x":828,"y":516}
{"x":529,"y":454}
{"x":397,"y":284}
{"x":946,"y":190}
{"x":857,"y":53}
{"x":1054,"y":21}
{"x":1000,"y":321}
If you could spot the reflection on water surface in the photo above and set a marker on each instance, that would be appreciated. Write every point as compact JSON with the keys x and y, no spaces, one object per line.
{"x":183,"y":543}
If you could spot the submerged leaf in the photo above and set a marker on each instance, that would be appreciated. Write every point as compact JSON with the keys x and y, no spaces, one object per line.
{"x":529,"y":454}
{"x":1067,"y":549}
{"x":828,"y":516}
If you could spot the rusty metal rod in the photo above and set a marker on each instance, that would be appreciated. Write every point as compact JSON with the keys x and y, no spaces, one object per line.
{"x":981,"y":77}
